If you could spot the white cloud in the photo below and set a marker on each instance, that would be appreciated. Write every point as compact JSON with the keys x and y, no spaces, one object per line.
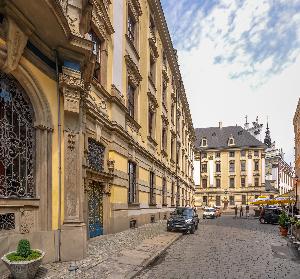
{"x":240,"y":57}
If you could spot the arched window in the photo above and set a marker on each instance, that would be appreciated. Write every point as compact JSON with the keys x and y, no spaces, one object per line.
{"x":17,"y":141}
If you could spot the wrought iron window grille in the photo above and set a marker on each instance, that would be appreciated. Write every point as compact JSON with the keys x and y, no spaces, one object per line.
{"x":17,"y":141}
{"x":95,"y":155}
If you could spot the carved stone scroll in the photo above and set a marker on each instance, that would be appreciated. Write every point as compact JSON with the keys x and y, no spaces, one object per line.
{"x":16,"y":42}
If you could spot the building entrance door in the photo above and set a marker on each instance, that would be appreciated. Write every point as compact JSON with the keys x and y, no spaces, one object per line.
{"x":95,"y":209}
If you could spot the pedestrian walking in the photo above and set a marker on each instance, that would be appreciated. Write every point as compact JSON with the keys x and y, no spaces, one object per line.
{"x":247,"y":211}
{"x":235,"y":211}
{"x":241,"y":211}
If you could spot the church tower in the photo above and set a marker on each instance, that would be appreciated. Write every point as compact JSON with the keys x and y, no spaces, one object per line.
{"x":267,"y":140}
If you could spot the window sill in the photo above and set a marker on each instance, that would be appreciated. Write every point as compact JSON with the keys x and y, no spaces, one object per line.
{"x":152,"y":141}
{"x":136,"y":125}
{"x":133,"y":205}
{"x":164,"y":205}
{"x":152,"y":205}
{"x":164,"y":153}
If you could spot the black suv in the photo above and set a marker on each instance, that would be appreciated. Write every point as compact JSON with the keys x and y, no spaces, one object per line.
{"x":183,"y":219}
{"x":269,"y":216}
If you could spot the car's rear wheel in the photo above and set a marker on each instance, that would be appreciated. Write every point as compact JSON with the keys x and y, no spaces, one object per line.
{"x":262,"y":220}
{"x":203,"y":217}
{"x":192,"y":230}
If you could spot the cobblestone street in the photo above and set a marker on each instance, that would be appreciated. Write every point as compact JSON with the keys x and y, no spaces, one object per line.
{"x":227,"y":248}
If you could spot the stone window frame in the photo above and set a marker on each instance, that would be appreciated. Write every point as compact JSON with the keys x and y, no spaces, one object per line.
{"x":164,"y":191}
{"x":243,"y":182}
{"x":152,"y":188}
{"x":204,"y":185}
{"x":231,"y":200}
{"x":132,"y":195}
{"x":204,"y":142}
{"x":101,"y":54}
{"x":41,"y":204}
{"x":230,"y":184}
{"x":218,"y":179}
{"x":256,"y":181}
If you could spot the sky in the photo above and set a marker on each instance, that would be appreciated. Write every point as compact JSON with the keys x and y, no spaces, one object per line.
{"x":238,"y":58}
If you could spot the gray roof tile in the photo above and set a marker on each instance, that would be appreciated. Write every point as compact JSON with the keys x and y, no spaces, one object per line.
{"x":217,"y":138}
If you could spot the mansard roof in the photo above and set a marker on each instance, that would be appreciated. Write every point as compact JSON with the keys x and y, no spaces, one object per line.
{"x":217,"y":138}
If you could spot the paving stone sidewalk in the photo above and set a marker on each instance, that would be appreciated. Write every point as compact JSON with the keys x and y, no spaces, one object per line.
{"x":116,"y":256}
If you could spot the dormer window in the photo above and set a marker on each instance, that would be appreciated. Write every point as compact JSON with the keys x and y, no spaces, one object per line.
{"x":231,"y":141}
{"x":203,"y":142}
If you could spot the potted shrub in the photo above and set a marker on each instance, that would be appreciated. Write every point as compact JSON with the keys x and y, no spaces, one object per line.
{"x":23,"y":263}
{"x":283,"y":223}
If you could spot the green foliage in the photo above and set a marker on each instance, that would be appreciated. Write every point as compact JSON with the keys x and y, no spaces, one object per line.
{"x":14,"y":257}
{"x":297,"y":224}
{"x":293,"y":220}
{"x":283,"y":220}
{"x":24,"y":248}
{"x":24,"y":253}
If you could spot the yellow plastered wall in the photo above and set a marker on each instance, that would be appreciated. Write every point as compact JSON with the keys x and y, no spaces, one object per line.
{"x":121,"y":162}
{"x":49,"y":90}
{"x":118,"y":194}
{"x":144,"y":175}
{"x":143,"y":198}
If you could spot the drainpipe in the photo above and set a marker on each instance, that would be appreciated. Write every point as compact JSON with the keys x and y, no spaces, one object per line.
{"x":59,"y":154}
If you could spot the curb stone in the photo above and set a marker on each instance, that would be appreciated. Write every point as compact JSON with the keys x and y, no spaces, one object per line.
{"x":137,"y":271}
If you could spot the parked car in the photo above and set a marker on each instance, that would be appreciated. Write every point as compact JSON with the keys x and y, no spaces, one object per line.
{"x":183,"y":219}
{"x":209,"y":212}
{"x":270,"y":215}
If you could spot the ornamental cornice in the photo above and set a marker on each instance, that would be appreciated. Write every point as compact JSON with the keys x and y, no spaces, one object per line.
{"x":152,"y":99}
{"x":134,"y":75}
{"x":130,"y":122}
{"x":74,"y":82}
{"x":135,"y":9}
{"x":101,"y":17}
{"x":153,"y":47}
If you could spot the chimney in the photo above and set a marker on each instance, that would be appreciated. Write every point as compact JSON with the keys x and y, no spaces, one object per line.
{"x":220,"y":125}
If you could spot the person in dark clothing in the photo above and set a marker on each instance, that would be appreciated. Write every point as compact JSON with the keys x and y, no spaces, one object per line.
{"x":235,"y":211}
{"x":241,"y":211}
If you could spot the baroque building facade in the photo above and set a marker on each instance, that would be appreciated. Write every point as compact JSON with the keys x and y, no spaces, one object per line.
{"x":229,"y":167}
{"x":279,"y":174}
{"x":296,"y":123}
{"x":96,"y":132}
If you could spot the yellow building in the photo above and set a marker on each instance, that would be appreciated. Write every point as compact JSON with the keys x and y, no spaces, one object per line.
{"x":95,"y":128}
{"x":297,"y":152}
{"x":229,"y":167}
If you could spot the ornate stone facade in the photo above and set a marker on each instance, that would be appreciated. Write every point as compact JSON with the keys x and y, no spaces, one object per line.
{"x":75,"y":69}
{"x":296,"y":123}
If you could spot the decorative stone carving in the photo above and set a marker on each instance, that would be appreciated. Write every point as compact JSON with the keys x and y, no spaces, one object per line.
{"x":16,"y":42}
{"x":98,"y":103}
{"x":72,"y":87}
{"x":27,"y":221}
{"x":71,"y":175}
{"x":101,"y":18}
{"x":134,"y":75}
{"x":111,"y":166}
{"x":107,"y":189}
{"x":135,"y":8}
{"x":71,"y":141}
{"x":86,"y":16}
